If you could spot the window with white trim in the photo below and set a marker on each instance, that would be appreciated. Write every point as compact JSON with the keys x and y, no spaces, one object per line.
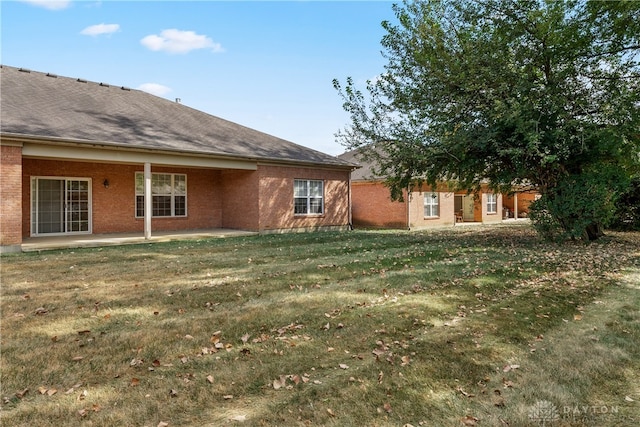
{"x":168,"y":194}
{"x":308,"y":197}
{"x":431,"y":205}
{"x":492,"y":203}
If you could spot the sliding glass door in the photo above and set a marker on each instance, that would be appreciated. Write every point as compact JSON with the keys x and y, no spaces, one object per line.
{"x":60,"y":206}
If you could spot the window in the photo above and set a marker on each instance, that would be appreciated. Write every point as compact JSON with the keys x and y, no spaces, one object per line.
{"x":168,"y":193}
{"x":431,"y":202}
{"x":492,"y":203}
{"x":308,"y":197}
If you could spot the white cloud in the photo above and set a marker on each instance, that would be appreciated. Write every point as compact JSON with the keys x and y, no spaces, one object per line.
{"x":176,"y":41}
{"x":49,"y":4}
{"x":154,"y":89}
{"x":96,"y":30}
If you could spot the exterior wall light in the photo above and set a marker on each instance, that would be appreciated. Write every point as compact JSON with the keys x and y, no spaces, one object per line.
{"x":105,"y":183}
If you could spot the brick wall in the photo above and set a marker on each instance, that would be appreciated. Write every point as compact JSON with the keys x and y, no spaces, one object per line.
{"x":239,"y":201}
{"x":524,"y":201}
{"x":488,"y":218}
{"x":446,"y":210}
{"x":114,"y":207}
{"x":372,"y":206}
{"x":11,"y":195}
{"x":276,"y":198}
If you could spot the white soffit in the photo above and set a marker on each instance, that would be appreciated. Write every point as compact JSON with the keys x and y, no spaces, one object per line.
{"x":126,"y":156}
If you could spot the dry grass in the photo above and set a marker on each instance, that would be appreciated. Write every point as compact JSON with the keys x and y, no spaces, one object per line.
{"x":447,"y":328}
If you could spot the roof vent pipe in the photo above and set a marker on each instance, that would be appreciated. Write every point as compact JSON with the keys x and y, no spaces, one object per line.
{"x":178,"y":100}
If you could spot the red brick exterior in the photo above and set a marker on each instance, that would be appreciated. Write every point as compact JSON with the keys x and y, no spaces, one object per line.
{"x":11,"y":195}
{"x":113,"y":208}
{"x":239,"y":200}
{"x":260,"y":200}
{"x":372,"y":206}
{"x":276,"y":198}
{"x":524,"y":201}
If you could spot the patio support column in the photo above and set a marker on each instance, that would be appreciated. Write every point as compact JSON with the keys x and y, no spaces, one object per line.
{"x":147,"y":201}
{"x":515,"y":205}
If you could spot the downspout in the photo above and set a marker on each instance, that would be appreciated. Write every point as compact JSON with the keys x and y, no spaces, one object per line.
{"x":350,"y":214}
{"x":408,"y":208}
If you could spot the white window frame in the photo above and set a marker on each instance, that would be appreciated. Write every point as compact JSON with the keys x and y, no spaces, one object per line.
{"x":173,"y":193}
{"x":65,"y":210}
{"x":431,"y":204}
{"x":492,"y":203}
{"x":302,"y":192}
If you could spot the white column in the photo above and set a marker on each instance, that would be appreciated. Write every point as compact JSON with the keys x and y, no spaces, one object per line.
{"x":515,"y":205}
{"x":147,"y":201}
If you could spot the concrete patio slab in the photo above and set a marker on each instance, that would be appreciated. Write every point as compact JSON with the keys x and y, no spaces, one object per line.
{"x":43,"y":243}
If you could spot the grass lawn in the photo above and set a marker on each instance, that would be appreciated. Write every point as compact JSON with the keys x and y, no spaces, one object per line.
{"x":482,"y":326}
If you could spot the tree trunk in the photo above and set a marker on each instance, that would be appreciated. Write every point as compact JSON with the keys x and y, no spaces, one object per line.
{"x":594,"y":231}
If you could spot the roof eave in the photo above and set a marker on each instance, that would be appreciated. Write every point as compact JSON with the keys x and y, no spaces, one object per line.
{"x":25,"y":138}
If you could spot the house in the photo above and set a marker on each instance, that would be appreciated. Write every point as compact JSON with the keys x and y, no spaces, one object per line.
{"x":423,"y":207}
{"x":80,"y":157}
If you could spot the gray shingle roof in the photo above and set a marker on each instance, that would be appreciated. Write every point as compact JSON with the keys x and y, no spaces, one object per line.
{"x":365,"y":172}
{"x":35,"y":104}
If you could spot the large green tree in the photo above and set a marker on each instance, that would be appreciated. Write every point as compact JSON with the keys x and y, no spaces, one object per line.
{"x":507,"y":92}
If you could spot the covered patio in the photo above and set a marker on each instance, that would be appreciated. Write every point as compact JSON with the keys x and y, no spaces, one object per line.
{"x":35,"y":244}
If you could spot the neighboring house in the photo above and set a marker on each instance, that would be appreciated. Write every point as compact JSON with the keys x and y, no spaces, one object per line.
{"x":79,"y":157}
{"x":421,"y":208}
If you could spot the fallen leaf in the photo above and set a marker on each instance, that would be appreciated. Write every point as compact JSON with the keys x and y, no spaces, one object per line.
{"x":41,"y":311}
{"x":134,"y":382}
{"x":506,"y":383}
{"x":464,"y":393}
{"x":22,"y":393}
{"x":387,"y":407}
{"x":245,"y":338}
{"x":42,"y":390}
{"x":210,"y":379}
{"x":77,"y":358}
{"x":173,"y":393}
{"x":330,"y":412}
{"x":577,"y":317}
{"x":51,"y":391}
{"x":215,"y":337}
{"x":163,"y":424}
{"x":227,"y":396}
{"x":343,"y":366}
{"x":83,"y":395}
{"x":83,"y":412}
{"x":239,"y":418}
{"x":280,"y":382}
{"x":188,"y":337}
{"x":469,"y":420}
{"x":628,"y":399}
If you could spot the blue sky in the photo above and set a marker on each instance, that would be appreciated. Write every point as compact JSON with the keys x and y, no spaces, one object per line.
{"x":265,"y":65}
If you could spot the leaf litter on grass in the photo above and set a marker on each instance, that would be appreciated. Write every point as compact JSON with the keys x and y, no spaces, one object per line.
{"x":441,"y":327}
